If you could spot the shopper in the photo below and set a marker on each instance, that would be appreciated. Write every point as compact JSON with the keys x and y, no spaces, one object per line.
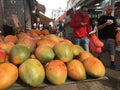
{"x":38,"y":25}
{"x":107,"y":33}
{"x":68,"y":30}
{"x":55,"y":27}
{"x":61,"y":28}
{"x":80,"y":22}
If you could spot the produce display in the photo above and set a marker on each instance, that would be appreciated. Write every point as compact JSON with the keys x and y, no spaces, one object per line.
{"x":36,"y":57}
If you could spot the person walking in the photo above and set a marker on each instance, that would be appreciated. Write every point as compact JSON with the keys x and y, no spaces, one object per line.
{"x":80,"y":22}
{"x":38,"y":25}
{"x":61,"y":28}
{"x":54,"y":27}
{"x":68,"y":30}
{"x":107,"y":32}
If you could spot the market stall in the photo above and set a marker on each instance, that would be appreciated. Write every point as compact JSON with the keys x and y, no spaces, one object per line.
{"x":45,"y":19}
{"x":50,"y":61}
{"x":19,"y":85}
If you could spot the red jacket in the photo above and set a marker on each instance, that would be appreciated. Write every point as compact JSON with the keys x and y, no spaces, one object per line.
{"x":79,"y":30}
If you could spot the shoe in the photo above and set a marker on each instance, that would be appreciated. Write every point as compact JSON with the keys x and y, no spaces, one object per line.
{"x":98,"y":57}
{"x":114,"y":67}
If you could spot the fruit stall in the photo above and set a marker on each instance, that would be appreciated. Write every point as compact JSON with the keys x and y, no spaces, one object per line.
{"x":19,"y":85}
{"x":40,"y":59}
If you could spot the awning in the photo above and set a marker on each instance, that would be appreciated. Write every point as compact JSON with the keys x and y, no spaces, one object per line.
{"x":91,"y":3}
{"x":45,"y":19}
{"x":61,"y":17}
{"x":33,"y":4}
{"x":41,"y":7}
{"x":68,"y":12}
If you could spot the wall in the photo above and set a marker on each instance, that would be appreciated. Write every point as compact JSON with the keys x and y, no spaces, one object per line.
{"x":13,"y":7}
{"x":1,"y":16}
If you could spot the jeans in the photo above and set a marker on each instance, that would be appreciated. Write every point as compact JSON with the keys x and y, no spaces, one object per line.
{"x":84,"y":42}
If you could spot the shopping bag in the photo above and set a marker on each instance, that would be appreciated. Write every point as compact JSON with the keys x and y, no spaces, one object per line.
{"x":118,"y":38}
{"x":96,"y":40}
{"x":93,"y":48}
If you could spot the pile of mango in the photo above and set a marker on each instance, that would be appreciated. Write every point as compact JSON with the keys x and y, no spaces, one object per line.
{"x":35,"y":59}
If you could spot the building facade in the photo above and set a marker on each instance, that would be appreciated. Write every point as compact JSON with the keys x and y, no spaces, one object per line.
{"x":23,"y":9}
{"x":57,"y":12}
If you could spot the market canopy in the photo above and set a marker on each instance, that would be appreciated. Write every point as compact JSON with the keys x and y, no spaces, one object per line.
{"x":41,"y":7}
{"x":45,"y":19}
{"x":68,"y":12}
{"x":61,"y":17}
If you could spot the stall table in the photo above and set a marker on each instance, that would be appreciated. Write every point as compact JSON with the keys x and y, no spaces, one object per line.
{"x":19,"y":85}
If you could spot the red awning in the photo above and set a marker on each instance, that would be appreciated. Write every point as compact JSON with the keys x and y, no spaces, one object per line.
{"x":68,"y":12}
{"x":61,"y":17}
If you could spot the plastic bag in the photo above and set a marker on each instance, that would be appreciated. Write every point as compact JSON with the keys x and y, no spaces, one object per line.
{"x":93,"y":48}
{"x":118,"y":38}
{"x":96,"y":41}
{"x":95,"y":44}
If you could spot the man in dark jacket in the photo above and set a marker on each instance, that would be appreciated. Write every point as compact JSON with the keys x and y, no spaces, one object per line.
{"x":107,"y":33}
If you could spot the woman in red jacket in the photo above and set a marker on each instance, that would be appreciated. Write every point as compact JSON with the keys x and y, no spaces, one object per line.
{"x":80,"y":22}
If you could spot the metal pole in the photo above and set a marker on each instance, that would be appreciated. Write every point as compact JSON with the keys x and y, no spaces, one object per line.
{"x":113,"y":6}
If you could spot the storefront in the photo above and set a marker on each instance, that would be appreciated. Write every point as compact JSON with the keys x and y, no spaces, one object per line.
{"x":96,"y":8}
